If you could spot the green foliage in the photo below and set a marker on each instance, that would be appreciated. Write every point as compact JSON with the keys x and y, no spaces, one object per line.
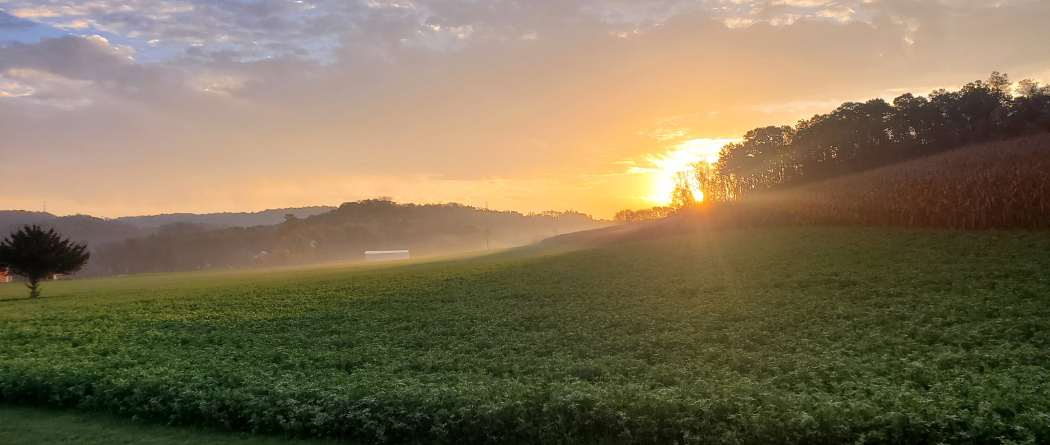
{"x":38,"y":255}
{"x":814,"y":335}
{"x":27,"y":426}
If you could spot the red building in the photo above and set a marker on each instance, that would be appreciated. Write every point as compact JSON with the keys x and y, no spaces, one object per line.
{"x":4,"y":277}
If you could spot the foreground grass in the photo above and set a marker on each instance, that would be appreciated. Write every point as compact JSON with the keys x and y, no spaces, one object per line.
{"x":25,"y":426}
{"x":814,"y":335}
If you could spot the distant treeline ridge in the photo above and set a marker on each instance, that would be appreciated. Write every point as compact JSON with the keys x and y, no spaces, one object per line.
{"x":861,"y":136}
{"x":339,"y":235}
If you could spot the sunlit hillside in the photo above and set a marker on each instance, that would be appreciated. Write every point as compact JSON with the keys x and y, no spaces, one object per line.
{"x":995,"y":185}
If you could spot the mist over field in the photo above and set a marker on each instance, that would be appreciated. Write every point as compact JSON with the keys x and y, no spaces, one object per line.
{"x":284,"y":237}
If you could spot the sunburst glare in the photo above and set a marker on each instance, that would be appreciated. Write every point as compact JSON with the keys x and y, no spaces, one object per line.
{"x":667,"y":165}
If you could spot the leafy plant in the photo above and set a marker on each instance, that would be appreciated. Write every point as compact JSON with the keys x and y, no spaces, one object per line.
{"x":783,"y":335}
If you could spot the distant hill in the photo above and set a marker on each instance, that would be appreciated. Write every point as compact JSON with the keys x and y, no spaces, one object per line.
{"x":23,"y":217}
{"x":100,"y":231}
{"x":226,"y":219}
{"x":342,"y":234}
{"x":185,"y":241}
{"x":81,"y":228}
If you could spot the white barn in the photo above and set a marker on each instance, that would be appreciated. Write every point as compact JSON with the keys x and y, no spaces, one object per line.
{"x":385,"y":255}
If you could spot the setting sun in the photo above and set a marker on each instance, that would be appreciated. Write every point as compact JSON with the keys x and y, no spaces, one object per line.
{"x":678,"y":160}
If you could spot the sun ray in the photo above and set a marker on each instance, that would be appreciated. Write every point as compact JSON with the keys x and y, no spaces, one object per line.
{"x":668,"y":164}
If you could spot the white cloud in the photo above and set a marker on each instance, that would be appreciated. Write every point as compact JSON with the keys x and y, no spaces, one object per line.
{"x":48,"y":12}
{"x":218,"y":83}
{"x":803,"y":3}
{"x":838,"y":12}
{"x":785,"y":19}
{"x":76,"y":24}
{"x":117,"y":50}
{"x":738,"y":22}
{"x":43,"y":88}
{"x":11,"y":88}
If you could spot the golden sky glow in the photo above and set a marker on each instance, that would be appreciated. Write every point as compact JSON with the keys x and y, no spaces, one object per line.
{"x":176,"y":106}
{"x":667,"y":164}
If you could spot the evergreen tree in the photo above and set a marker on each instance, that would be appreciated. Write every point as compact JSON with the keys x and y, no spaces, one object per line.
{"x":35,"y":254}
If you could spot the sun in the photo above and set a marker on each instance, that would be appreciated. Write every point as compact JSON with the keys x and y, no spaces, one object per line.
{"x":667,"y":165}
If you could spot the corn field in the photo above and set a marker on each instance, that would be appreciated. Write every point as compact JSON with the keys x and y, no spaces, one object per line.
{"x":1000,"y":185}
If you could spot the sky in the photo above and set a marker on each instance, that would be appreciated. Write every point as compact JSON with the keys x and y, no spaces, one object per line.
{"x":132,"y":107}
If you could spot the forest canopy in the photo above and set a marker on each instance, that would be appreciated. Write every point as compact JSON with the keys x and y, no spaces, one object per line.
{"x":859,"y":136}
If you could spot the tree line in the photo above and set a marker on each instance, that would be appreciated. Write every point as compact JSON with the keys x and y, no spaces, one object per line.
{"x":338,"y":235}
{"x":35,"y":253}
{"x":657,"y":212}
{"x":860,"y":136}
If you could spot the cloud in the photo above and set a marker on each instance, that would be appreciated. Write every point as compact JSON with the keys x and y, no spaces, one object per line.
{"x":218,"y":83}
{"x":43,"y":88}
{"x":841,"y":13}
{"x":738,"y":22}
{"x":77,"y":24}
{"x":72,"y":56}
{"x":803,"y":3}
{"x":10,"y":88}
{"x":229,"y":92}
{"x":8,"y":21}
{"x":47,"y":12}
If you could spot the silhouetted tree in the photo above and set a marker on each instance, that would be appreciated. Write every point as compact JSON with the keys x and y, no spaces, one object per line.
{"x":859,"y":136}
{"x":682,"y":196}
{"x":628,"y":215}
{"x":1030,"y":110}
{"x":712,"y":185}
{"x":37,"y":255}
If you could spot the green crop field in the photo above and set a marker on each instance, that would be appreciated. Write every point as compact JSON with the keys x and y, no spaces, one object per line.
{"x":788,"y":335}
{"x":22,"y":426}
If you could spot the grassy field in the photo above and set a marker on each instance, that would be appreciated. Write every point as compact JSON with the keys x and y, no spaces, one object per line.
{"x":27,"y":426}
{"x":801,"y":335}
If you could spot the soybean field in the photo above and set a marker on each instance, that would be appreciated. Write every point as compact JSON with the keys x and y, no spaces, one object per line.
{"x":774,"y":335}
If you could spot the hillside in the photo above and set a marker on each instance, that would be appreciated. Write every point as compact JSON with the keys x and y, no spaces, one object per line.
{"x":226,"y":219}
{"x":180,"y":242}
{"x":997,"y":185}
{"x":343,"y":234}
{"x":21,"y":217}
{"x":98,"y":232}
{"x":82,"y":228}
{"x":782,"y":335}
